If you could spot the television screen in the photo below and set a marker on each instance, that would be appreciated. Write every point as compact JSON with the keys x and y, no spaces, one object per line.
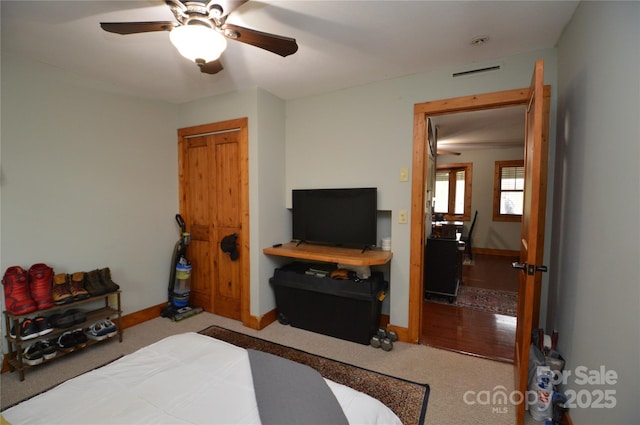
{"x":346,"y":217}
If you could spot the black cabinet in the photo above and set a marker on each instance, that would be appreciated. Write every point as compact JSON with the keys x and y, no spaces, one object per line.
{"x":442,"y":267}
{"x":345,"y":309}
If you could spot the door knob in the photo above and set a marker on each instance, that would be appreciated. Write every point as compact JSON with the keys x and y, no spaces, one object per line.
{"x":519,"y":266}
{"x":530,"y":269}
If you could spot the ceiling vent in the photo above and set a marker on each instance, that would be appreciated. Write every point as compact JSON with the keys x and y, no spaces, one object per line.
{"x":476,"y":71}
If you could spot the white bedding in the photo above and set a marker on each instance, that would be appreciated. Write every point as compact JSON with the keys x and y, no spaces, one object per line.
{"x":183,"y":379}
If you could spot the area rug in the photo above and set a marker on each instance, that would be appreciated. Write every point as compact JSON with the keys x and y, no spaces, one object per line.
{"x":490,"y":300}
{"x":407,"y":399}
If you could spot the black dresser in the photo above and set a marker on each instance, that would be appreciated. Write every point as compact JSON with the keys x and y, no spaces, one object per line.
{"x":442,"y":267}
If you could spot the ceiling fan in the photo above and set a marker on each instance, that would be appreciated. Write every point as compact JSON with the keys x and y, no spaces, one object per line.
{"x":201,"y":32}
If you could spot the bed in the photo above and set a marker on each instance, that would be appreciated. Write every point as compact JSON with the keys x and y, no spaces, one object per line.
{"x":195,"y":379}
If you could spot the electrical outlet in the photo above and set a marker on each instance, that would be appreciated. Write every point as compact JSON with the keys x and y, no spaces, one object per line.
{"x":403,"y":216}
{"x":404,"y":174}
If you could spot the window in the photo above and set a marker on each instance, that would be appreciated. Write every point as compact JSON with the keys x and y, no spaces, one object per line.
{"x":508,"y":190}
{"x":453,"y":191}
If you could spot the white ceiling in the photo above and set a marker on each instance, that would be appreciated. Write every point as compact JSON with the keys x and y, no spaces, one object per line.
{"x":486,"y":129}
{"x":341,"y":43}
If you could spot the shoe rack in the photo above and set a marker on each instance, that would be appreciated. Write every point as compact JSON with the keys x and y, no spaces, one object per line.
{"x":102,"y":309}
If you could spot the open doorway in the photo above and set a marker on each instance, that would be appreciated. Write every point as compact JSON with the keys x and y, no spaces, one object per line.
{"x":470,"y":146}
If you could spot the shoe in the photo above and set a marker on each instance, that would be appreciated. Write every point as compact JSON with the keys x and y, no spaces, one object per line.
{"x":32,"y":355}
{"x":17,"y":297}
{"x":105,"y":278}
{"x":77,"y":287}
{"x":77,"y":315}
{"x":66,"y":342}
{"x":62,"y":320}
{"x":43,"y":325}
{"x":93,"y":285}
{"x":49,"y":350}
{"x":40,"y":280}
{"x":101,"y":330}
{"x":61,"y":293}
{"x":28,"y":330}
{"x":79,"y":338}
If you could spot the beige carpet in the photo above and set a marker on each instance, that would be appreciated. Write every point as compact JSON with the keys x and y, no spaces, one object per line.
{"x":450,"y":375}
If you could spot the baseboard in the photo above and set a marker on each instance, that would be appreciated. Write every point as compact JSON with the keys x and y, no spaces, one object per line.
{"x":260,"y":322}
{"x":135,"y":318}
{"x":499,"y":252}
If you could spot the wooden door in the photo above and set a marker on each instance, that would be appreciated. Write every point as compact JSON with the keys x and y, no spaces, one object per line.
{"x":533,"y":225}
{"x":213,"y":166}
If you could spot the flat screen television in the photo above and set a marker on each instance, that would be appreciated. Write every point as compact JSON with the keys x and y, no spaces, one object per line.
{"x":345,"y":217}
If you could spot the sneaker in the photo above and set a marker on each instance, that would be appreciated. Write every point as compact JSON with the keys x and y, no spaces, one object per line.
{"x":43,"y":325}
{"x":61,"y":293}
{"x":107,"y":282}
{"x":40,"y":281}
{"x":77,"y":287}
{"x":27,"y":330}
{"x":17,"y":297}
{"x":67,"y":342}
{"x":80,"y":338}
{"x":101,"y":330}
{"x":32,"y":355}
{"x":49,"y":350}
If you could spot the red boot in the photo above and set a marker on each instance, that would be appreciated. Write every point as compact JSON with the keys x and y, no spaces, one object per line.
{"x":40,"y":282}
{"x":17,"y":298}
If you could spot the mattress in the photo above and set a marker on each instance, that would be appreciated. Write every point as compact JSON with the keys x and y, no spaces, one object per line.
{"x":183,"y":379}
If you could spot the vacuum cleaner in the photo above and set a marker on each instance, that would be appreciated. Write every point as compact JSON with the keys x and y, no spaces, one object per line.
{"x":178,"y":307}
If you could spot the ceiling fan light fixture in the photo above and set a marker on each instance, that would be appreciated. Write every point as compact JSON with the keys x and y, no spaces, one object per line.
{"x":198,"y":43}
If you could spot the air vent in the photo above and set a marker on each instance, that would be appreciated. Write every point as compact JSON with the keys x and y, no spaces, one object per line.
{"x":476,"y":71}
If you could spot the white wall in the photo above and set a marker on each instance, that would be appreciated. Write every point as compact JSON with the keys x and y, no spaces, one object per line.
{"x":594,"y":292}
{"x":89,"y":180}
{"x":488,"y":233}
{"x":362,"y":136}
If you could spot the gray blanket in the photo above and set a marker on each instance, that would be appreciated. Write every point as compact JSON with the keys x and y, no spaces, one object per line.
{"x":290,"y":393}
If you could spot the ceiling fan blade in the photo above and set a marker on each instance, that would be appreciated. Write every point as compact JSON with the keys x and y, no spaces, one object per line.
{"x":137,"y":27}
{"x":283,"y":46}
{"x":212,"y":67}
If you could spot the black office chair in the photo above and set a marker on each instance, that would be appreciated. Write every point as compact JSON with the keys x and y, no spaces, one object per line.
{"x":467,"y":238}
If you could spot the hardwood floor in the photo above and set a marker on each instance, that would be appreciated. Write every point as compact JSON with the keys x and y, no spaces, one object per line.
{"x":472,"y":331}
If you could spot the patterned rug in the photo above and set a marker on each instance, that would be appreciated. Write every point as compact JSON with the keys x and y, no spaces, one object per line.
{"x":408,"y":400}
{"x":490,"y":300}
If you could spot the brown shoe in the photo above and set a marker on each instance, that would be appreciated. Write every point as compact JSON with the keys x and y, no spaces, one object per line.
{"x":61,"y":293}
{"x":92,"y":283}
{"x":105,"y":278}
{"x":77,"y":286}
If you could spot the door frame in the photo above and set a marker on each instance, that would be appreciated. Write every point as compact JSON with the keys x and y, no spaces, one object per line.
{"x":419,"y":179}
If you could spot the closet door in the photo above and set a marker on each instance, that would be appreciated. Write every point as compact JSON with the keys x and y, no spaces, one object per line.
{"x":214,"y":203}
{"x":226,"y":204}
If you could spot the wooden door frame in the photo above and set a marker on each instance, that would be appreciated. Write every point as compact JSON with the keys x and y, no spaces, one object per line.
{"x":241,"y":125}
{"x":421,"y":112}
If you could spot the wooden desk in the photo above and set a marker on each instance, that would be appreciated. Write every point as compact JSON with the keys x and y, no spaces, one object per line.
{"x":331,"y":254}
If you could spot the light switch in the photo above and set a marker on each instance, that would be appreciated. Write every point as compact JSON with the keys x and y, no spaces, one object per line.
{"x":403,"y":216}
{"x":404,"y":174}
